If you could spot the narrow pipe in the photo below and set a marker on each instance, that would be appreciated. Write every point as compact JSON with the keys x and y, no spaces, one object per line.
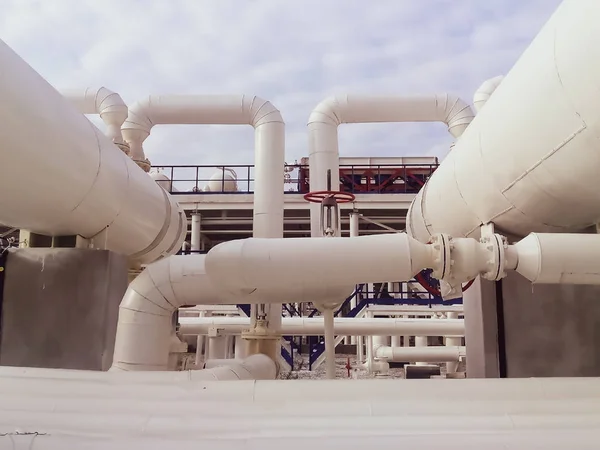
{"x":314,"y":326}
{"x":328,"y":328}
{"x":420,"y":354}
{"x":485,"y":91}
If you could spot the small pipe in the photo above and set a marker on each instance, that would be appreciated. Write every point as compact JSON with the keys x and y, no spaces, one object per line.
{"x":328,"y":326}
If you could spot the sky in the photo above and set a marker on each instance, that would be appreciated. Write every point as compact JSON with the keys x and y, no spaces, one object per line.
{"x":293,"y":53}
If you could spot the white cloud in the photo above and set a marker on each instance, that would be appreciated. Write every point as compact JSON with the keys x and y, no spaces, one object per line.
{"x":292,"y":52}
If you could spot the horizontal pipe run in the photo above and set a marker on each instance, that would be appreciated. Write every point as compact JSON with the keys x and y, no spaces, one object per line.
{"x":314,"y":326}
{"x":432,"y":354}
{"x":313,"y":268}
{"x":67,"y":178}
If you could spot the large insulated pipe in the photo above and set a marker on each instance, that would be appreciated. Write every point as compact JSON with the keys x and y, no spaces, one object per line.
{"x":313,"y":326}
{"x":102,"y":101}
{"x":529,"y":160}
{"x":319,"y":268}
{"x":323,"y":123}
{"x":64,"y":177}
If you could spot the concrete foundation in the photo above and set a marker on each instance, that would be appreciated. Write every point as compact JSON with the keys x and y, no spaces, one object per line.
{"x":514,"y":329}
{"x":59,"y":307}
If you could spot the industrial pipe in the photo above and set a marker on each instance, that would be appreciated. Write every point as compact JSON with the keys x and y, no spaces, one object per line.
{"x":527,"y":166}
{"x":485,"y":91}
{"x":145,"y":313}
{"x":320,"y":268}
{"x":426,"y":354}
{"x":47,"y":413}
{"x":558,"y":258}
{"x":67,"y":178}
{"x":269,"y":149}
{"x":102,"y":101}
{"x":313,"y":326}
{"x":323,"y":123}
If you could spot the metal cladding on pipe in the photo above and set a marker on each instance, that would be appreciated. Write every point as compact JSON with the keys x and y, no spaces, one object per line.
{"x":313,"y":326}
{"x":323,"y":148}
{"x":269,"y":141}
{"x":470,"y":414}
{"x":485,"y":91}
{"x":313,"y":269}
{"x":102,"y":101}
{"x":145,"y":313}
{"x":527,"y":166}
{"x":106,"y":199}
{"x":559,"y":258}
{"x":433,"y":354}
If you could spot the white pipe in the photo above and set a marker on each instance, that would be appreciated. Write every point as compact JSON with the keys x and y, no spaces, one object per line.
{"x":145,"y":312}
{"x":320,"y":268}
{"x":269,"y":141}
{"x":328,"y":332}
{"x":433,"y":354}
{"x":506,"y":414}
{"x":559,"y":258}
{"x":323,"y":150}
{"x":452,"y":341}
{"x":196,"y":236}
{"x":102,"y":101}
{"x":269,"y":148}
{"x":485,"y":91}
{"x":421,"y":342}
{"x":314,"y":326}
{"x":106,"y":198}
{"x":528,"y":162}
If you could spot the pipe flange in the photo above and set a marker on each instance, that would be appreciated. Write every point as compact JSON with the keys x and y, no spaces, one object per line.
{"x":495,"y":247}
{"x":442,"y":250}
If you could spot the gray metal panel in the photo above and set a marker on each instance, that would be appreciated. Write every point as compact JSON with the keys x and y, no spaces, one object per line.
{"x":60,"y":308}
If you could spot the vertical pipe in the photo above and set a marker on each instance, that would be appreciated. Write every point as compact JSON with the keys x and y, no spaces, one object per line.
{"x":199,"y":343}
{"x":240,"y":348}
{"x":329,"y":342}
{"x":421,"y":341}
{"x":196,"y":230}
{"x":217,"y":347}
{"x":452,"y":366}
{"x":354,"y":232}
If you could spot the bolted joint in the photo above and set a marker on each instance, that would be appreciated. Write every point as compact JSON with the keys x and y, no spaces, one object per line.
{"x":494,"y":248}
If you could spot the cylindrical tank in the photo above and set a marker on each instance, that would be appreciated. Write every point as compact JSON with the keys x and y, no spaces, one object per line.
{"x":529,"y":160}
{"x":224,"y":180}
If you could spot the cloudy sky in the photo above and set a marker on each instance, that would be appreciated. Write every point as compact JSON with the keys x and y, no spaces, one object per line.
{"x":291,"y":52}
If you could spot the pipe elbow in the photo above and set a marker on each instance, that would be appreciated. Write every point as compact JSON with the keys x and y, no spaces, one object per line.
{"x":261,"y":111}
{"x":327,"y":112}
{"x":151,"y":292}
{"x":485,"y":91}
{"x":110,"y":106}
{"x":456,"y":112}
{"x":138,"y":123}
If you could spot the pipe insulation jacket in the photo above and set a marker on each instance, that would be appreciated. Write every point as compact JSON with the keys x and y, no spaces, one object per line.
{"x":319,"y":268}
{"x":528,"y":161}
{"x":67,"y":178}
{"x":323,"y":123}
{"x":102,"y":101}
{"x":313,"y":326}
